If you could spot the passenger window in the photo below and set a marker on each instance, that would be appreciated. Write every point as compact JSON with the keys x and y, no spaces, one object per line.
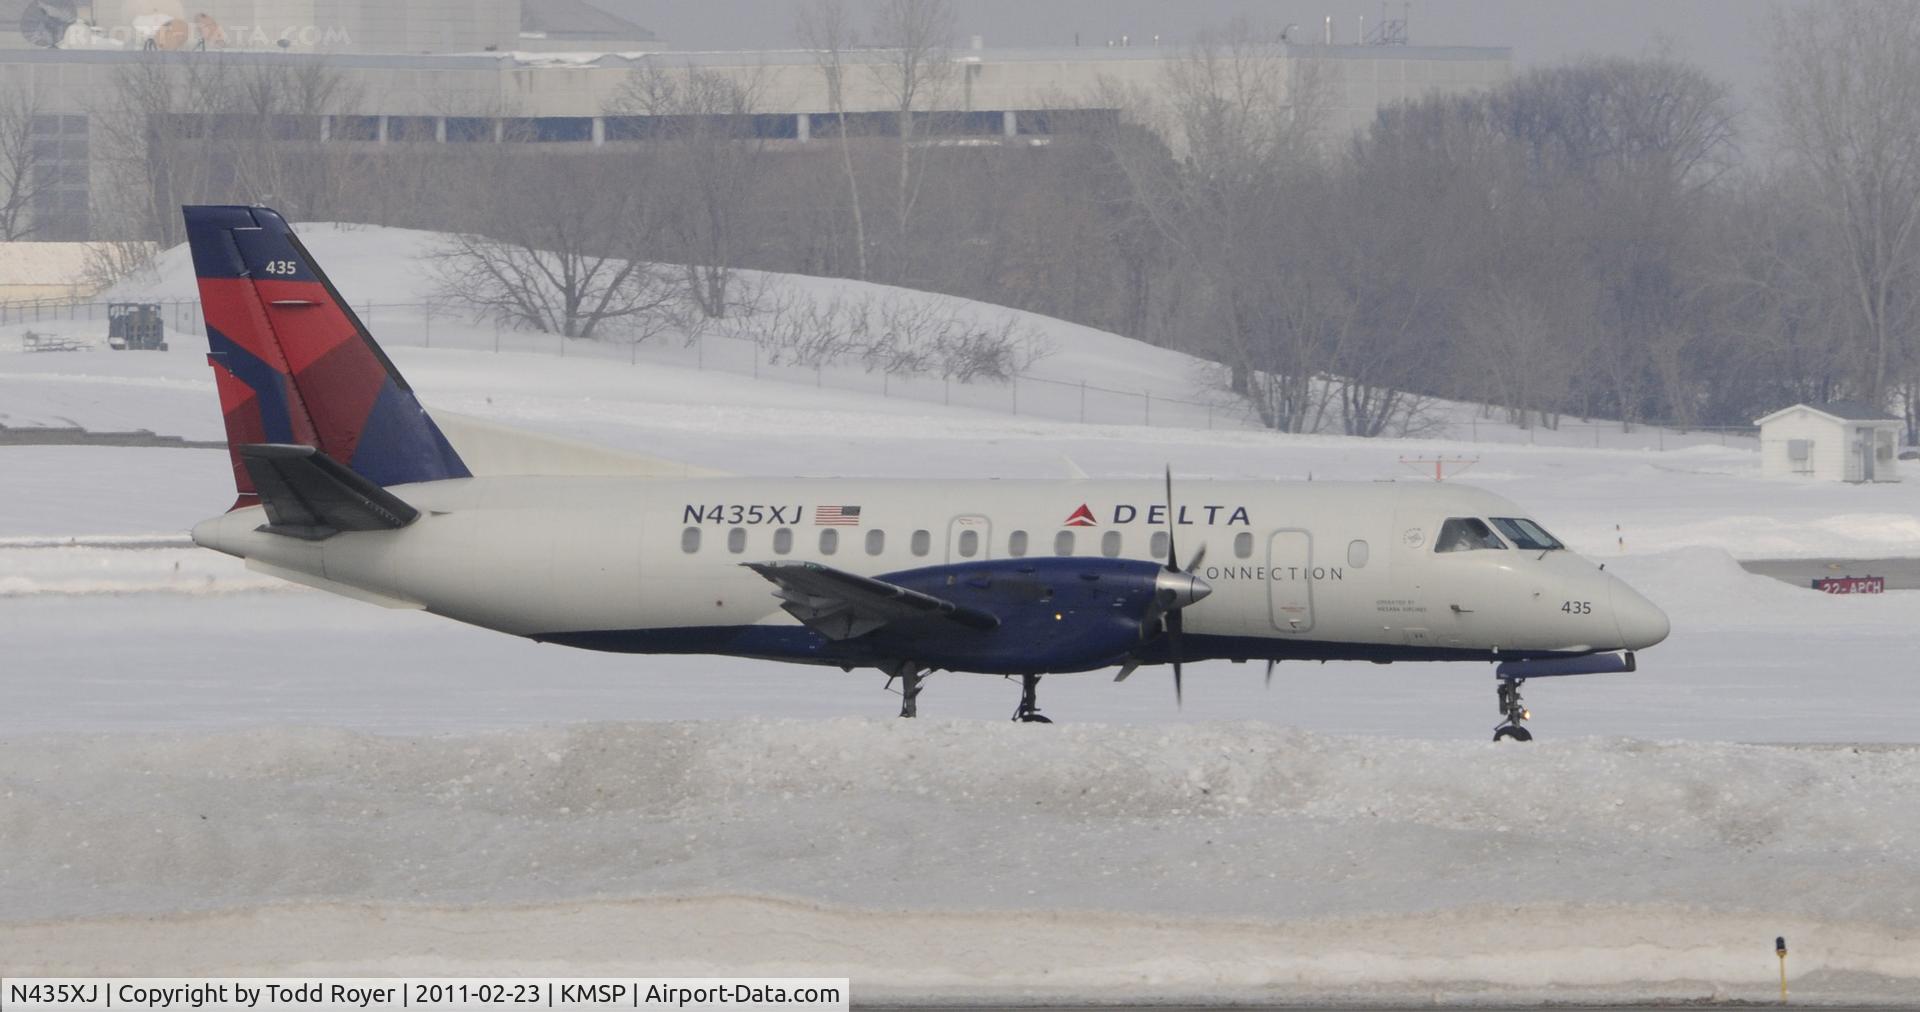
{"x":1157,"y":546}
{"x":829,"y":541}
{"x":690,"y":540}
{"x":922,"y":542}
{"x":783,"y":541}
{"x":1017,"y":544}
{"x":1110,"y":544}
{"x":1063,"y":543}
{"x":1243,"y":545}
{"x":1527,"y":535}
{"x":969,"y":544}
{"x":737,"y":540}
{"x":1466,"y":534}
{"x":876,"y":542}
{"x":1357,"y":554}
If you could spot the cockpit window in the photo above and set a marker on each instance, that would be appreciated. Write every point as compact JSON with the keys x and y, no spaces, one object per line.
{"x":1527,"y":535}
{"x":1466,"y":534}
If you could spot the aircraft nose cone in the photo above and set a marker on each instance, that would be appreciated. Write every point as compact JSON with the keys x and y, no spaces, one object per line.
{"x":1177,"y":590}
{"x":1642,"y":624}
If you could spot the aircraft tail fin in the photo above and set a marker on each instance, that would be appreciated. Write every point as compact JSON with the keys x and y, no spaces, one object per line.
{"x":294,"y":365}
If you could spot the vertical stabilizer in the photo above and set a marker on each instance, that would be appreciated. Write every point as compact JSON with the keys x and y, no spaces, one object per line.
{"x":295,"y":365}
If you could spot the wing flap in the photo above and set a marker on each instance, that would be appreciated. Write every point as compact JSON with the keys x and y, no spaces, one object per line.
{"x":842,"y":606}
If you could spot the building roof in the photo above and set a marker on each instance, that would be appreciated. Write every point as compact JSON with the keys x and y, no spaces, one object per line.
{"x":577,"y":19}
{"x":1842,"y":411}
{"x":44,"y":263}
{"x":723,"y":58}
{"x":1853,"y":411}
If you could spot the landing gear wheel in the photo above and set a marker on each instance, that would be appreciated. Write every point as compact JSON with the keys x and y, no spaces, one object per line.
{"x":1028,"y":712}
{"x":1513,"y":710}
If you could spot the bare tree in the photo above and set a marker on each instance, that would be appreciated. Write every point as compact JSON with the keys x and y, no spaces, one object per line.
{"x":1846,"y":91}
{"x":550,"y":260}
{"x":1236,"y":197}
{"x":22,"y":176}
{"x":913,"y":70}
{"x":274,"y":122}
{"x":825,"y":28}
{"x":713,"y":159}
{"x":896,"y":334}
{"x":180,"y":128}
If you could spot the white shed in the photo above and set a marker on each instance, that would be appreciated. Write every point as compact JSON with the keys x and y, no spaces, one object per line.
{"x":1836,"y":441}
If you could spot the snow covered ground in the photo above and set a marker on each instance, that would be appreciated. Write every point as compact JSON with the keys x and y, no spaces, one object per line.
{"x":951,"y":859}
{"x":201,"y":769}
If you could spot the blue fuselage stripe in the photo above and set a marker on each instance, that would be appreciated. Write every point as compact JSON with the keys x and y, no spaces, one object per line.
{"x":794,"y":643}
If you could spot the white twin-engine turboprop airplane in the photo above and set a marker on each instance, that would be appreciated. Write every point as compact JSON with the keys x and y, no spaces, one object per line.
{"x":346,"y":484}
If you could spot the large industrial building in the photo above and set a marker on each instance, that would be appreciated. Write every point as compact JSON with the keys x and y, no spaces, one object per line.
{"x":546,"y":71}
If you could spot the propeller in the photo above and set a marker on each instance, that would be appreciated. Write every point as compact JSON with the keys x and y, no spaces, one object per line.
{"x":1177,"y":588}
{"x":1173,"y":589}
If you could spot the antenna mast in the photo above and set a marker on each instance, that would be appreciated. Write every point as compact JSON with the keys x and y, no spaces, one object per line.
{"x":1390,"y":31}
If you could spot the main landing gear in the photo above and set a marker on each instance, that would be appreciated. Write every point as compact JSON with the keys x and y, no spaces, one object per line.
{"x":1513,"y":710}
{"x":911,"y":676}
{"x":1028,"y":712}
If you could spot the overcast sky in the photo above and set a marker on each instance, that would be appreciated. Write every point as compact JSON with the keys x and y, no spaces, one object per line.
{"x":1726,"y":37}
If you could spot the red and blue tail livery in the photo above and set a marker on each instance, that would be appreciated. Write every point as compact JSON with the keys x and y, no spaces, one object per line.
{"x":295,"y":365}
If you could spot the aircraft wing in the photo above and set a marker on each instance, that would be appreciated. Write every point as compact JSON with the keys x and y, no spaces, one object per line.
{"x":842,"y":606}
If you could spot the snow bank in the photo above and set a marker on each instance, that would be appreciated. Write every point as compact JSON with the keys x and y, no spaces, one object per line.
{"x":34,"y":568}
{"x":961,"y":858}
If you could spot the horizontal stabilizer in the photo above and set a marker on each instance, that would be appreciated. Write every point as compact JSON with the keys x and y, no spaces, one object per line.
{"x":1592,"y":664}
{"x":309,"y":495}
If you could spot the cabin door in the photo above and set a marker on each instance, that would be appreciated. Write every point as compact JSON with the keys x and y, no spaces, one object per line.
{"x":1289,"y":581}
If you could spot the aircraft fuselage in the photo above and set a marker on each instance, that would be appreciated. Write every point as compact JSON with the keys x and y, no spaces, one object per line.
{"x":1315,"y":570}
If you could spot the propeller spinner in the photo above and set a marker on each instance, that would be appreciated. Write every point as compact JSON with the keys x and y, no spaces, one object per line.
{"x":1176,"y":588}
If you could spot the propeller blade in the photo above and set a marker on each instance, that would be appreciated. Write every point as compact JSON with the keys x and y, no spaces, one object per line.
{"x":1174,"y":625}
{"x":1126,"y":670}
{"x":1270,"y":665}
{"x":1173,"y":553}
{"x":1193,"y":566}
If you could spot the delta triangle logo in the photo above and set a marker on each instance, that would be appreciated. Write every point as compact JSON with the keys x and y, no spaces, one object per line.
{"x":1082,"y":517}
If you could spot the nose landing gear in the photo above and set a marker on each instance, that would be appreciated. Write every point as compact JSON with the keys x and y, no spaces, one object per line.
{"x":1508,"y":692}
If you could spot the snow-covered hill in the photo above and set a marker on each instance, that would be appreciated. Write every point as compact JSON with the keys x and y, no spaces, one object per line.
{"x":1084,"y":375}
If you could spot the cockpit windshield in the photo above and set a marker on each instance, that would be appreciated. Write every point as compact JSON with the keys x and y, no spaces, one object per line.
{"x":1466,"y":534}
{"x":1527,"y":535}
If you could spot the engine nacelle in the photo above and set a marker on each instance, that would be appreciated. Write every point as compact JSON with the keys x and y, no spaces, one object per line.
{"x":1056,"y":614}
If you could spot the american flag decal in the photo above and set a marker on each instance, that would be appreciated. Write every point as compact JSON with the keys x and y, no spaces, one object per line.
{"x":836,"y":516}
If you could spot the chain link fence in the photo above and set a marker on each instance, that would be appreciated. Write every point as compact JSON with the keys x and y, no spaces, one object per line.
{"x":422,"y":325}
